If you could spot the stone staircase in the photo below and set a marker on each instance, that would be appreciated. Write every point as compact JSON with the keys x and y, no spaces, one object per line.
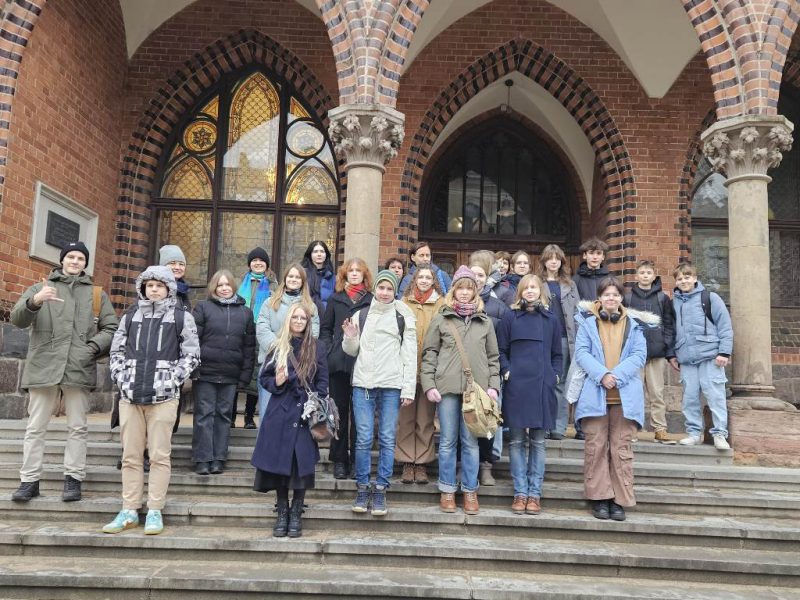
{"x":703,"y":529}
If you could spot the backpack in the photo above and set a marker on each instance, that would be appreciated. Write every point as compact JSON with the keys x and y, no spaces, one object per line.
{"x":401,"y":322}
{"x":705,"y":301}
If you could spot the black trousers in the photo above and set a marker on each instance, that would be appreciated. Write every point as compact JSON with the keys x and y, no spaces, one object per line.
{"x":344,"y":449}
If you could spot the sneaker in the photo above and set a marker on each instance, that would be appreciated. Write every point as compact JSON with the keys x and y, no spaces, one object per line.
{"x":249,"y":423}
{"x":361,"y":503}
{"x":125,"y":519}
{"x":72,"y":489}
{"x":615,"y":511}
{"x":339,"y":470}
{"x":720,"y":443}
{"x":408,"y":473}
{"x":663,"y":437}
{"x":217,"y":467}
{"x":26,"y":491}
{"x":379,"y":501}
{"x":153,"y":524}
{"x":600,"y":509}
{"x":691,"y":440}
{"x":554,"y":435}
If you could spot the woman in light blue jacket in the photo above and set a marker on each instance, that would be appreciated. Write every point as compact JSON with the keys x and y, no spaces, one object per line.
{"x":610,"y":347}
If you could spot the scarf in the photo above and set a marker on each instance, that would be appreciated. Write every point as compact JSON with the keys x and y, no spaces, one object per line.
{"x":183,"y":287}
{"x":465,"y":310}
{"x":535,"y":305}
{"x":422,"y":297}
{"x":224,"y":301}
{"x":289,"y":292}
{"x":355,"y":292}
{"x":255,"y":291}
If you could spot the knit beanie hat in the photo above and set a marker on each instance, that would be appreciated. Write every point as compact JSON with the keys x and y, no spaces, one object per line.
{"x":386,"y":275}
{"x":464,"y":272}
{"x":74,"y":246}
{"x":257,"y":252}
{"x":170,"y":253}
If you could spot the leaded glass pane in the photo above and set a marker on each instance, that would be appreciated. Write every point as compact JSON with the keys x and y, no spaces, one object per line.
{"x":304,"y":139}
{"x":191,"y":230}
{"x":296,"y":110}
{"x":200,"y":136}
{"x":212,"y":108}
{"x":298,"y":230}
{"x":311,"y":184}
{"x":710,"y":199}
{"x":188,"y":179}
{"x":784,"y":250}
{"x":239,"y":233}
{"x":250,"y":163}
{"x":710,"y":256}
{"x":455,"y":200}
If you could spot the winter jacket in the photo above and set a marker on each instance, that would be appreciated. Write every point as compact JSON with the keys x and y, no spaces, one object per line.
{"x":383,"y":358}
{"x":150,"y":359}
{"x":569,"y":306}
{"x":264,"y":289}
{"x":270,"y":321}
{"x":65,"y":339}
{"x":586,"y":280}
{"x":321,"y":285}
{"x":493,"y":306}
{"x":423,"y":314}
{"x":441,"y":362}
{"x":530,"y":353}
{"x":660,"y":340}
{"x":283,"y":435}
{"x":340,"y":307}
{"x":501,"y":288}
{"x":227,"y":337}
{"x":696,"y":338}
{"x":589,"y":356}
{"x":444,"y":279}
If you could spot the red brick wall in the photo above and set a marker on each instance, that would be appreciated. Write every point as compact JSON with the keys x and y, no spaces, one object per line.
{"x":64,"y":131}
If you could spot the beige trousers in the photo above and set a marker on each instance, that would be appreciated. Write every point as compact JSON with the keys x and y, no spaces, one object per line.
{"x":653,"y":380}
{"x":40,"y":408}
{"x":415,"y":432}
{"x":146,"y":426}
{"x":608,"y":457}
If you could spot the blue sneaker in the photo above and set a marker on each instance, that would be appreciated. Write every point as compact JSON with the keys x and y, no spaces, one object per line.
{"x":125,"y":519}
{"x":379,"y":501}
{"x":153,"y":524}
{"x":361,"y":503}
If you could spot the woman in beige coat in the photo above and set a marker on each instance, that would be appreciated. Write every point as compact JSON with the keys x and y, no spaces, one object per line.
{"x":415,"y":423}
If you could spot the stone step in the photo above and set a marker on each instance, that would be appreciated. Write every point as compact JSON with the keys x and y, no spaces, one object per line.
{"x":413,"y":551}
{"x":155,"y":580}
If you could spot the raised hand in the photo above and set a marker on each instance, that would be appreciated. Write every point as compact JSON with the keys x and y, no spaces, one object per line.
{"x":46,"y":294}
{"x":281,"y":376}
{"x":350,"y":329}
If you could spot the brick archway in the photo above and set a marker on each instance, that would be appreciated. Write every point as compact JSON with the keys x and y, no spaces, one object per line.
{"x":178,"y":94}
{"x":566,"y":86}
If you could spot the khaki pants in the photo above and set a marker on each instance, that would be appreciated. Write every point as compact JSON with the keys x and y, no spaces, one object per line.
{"x":415,"y":432}
{"x":608,"y":457}
{"x":653,"y":379}
{"x":146,"y":426}
{"x":40,"y":408}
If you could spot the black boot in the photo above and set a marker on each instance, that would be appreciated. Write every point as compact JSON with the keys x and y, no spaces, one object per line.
{"x":217,"y":467}
{"x":339,"y":470}
{"x":282,"y":522}
{"x":249,"y":422}
{"x":72,"y":489}
{"x":615,"y":511}
{"x":26,"y":491}
{"x":600,"y":509}
{"x":296,"y":519}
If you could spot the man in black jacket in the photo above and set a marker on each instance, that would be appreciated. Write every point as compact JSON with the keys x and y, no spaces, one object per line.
{"x":646,"y":294}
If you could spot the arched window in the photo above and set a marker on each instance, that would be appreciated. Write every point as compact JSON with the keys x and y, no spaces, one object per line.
{"x":251,"y":165}
{"x":499,"y":181}
{"x":710,"y":222}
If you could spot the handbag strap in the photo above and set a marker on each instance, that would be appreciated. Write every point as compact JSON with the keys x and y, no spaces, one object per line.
{"x":297,"y":370}
{"x":461,"y":352}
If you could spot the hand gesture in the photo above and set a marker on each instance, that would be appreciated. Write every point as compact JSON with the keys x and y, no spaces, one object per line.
{"x":46,"y":294}
{"x":609,"y":381}
{"x":433,"y":395}
{"x":350,"y":329}
{"x":281,"y":376}
{"x":492,"y":393}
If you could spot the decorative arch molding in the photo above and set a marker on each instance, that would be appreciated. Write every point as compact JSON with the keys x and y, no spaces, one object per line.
{"x":178,"y":94}
{"x":572,"y":91}
{"x":18,"y":18}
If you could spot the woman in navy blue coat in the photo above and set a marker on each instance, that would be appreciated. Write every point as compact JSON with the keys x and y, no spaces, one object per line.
{"x":529,"y":339}
{"x":286,"y":455}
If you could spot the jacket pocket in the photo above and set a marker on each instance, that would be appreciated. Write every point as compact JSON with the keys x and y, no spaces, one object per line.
{"x":718,"y":374}
{"x":165,"y":386}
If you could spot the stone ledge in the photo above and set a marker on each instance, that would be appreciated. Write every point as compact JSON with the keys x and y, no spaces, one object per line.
{"x":769,"y":438}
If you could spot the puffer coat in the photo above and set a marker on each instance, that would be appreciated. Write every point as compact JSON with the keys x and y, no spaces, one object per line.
{"x":227,"y":341}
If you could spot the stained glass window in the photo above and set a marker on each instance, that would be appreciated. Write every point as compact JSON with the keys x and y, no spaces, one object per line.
{"x":255,"y":165}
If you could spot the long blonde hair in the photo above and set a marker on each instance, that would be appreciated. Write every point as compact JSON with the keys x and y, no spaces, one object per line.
{"x":450,"y":300}
{"x":281,"y":347}
{"x":305,"y":295}
{"x":544,"y":290}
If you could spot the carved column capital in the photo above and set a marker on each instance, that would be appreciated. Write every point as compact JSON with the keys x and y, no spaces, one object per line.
{"x":747,"y":147}
{"x":366,"y":135}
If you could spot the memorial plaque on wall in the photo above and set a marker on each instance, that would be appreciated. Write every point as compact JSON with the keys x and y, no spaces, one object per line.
{"x":61,"y":230}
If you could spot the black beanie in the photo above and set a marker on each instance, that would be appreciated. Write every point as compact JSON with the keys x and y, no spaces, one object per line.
{"x":76,"y":246}
{"x":257,"y":252}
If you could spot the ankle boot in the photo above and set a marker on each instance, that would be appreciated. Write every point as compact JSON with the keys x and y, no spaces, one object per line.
{"x":282,"y":522}
{"x":296,"y":519}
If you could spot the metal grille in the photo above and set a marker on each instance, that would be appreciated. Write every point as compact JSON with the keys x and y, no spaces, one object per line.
{"x":239,"y":233}
{"x":188,"y":179}
{"x":192,"y":232}
{"x":299,"y":230}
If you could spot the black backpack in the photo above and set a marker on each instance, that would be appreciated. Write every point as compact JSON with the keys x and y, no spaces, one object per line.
{"x":705,"y":301}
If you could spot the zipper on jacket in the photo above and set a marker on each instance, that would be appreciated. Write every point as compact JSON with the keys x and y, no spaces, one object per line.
{"x":160,"y":334}
{"x":228,"y":326}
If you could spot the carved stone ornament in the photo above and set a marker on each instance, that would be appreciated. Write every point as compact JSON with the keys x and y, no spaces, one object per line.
{"x":365,"y":135}
{"x":747,"y":147}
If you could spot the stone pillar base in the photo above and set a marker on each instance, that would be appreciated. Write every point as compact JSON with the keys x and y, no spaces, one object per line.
{"x":764,"y":431}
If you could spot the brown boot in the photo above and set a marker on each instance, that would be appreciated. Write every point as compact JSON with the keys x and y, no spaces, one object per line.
{"x":485,"y":474}
{"x":471,"y":503}
{"x":518,"y":506}
{"x":408,"y":473}
{"x":663,"y":437}
{"x":533,"y":507}
{"x":447,"y":502}
{"x":420,"y":474}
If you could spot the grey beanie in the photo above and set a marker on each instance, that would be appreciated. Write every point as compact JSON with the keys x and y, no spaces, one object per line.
{"x":170,"y":253}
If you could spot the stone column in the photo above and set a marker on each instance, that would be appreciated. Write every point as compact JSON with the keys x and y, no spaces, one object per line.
{"x":367,"y":137}
{"x":744,"y":149}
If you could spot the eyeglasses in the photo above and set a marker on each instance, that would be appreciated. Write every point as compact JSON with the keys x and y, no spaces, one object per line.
{"x":299,"y":318}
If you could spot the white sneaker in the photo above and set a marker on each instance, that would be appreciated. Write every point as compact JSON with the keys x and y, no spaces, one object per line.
{"x":720,"y":443}
{"x":691,"y":440}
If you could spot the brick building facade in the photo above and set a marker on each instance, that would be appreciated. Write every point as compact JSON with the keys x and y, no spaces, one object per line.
{"x":96,"y":99}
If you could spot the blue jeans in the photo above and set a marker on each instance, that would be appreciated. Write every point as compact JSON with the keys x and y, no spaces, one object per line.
{"x":263,"y":401}
{"x":365,"y":402}
{"x":710,"y":379}
{"x":452,"y":426}
{"x":527,"y":472}
{"x":563,"y":406}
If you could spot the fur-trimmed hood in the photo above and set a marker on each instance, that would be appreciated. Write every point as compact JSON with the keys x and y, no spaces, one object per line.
{"x":643,"y":317}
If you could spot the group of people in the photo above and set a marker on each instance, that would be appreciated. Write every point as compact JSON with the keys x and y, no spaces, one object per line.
{"x":394,"y":351}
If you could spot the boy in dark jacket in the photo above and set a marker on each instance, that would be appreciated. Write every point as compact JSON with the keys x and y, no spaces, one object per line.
{"x":154,"y":351}
{"x":646,"y":295}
